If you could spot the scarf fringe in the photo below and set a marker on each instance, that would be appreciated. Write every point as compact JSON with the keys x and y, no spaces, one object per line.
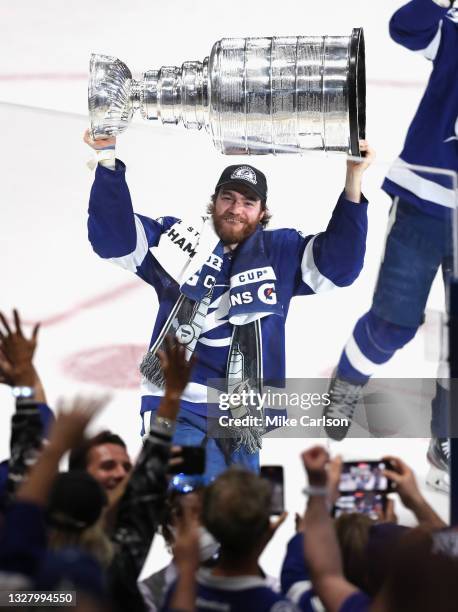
{"x":248,"y":437}
{"x":150,"y":368}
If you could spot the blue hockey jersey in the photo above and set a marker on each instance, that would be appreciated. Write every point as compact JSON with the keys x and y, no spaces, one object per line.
{"x":297,"y":586}
{"x":302,"y":265}
{"x":235,"y":594}
{"x":432,"y":139}
{"x":296,"y":583}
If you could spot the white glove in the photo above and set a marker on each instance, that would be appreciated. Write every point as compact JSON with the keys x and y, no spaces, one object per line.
{"x":104,"y":151}
{"x":104,"y":157}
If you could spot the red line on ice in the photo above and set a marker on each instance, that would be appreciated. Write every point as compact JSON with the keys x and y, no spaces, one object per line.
{"x":97,"y":300}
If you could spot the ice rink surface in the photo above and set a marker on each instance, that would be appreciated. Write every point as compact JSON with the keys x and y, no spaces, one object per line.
{"x":97,"y":319}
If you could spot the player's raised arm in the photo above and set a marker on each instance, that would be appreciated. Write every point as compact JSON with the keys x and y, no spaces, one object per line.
{"x":416,"y":25}
{"x":111,"y":225}
{"x":115,"y":231}
{"x":334,"y":258}
{"x":355,"y":171}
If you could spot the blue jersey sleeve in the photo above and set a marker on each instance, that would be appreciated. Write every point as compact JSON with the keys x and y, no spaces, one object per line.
{"x":357,"y":602}
{"x":23,"y":539}
{"x":417,"y":26}
{"x":116,"y":233}
{"x":295,"y":577}
{"x":294,"y":568}
{"x":335,"y":257}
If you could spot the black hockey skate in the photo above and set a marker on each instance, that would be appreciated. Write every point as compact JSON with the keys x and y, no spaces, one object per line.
{"x":438,"y":456}
{"x":344,"y":397}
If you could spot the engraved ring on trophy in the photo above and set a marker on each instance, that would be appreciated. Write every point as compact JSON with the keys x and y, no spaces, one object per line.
{"x":253,"y":95}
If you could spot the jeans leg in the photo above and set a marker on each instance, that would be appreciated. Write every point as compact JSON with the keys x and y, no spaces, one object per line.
{"x":373,"y":343}
{"x":413,"y":253}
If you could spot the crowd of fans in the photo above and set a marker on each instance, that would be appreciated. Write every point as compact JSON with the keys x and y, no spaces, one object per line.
{"x":88,"y":529}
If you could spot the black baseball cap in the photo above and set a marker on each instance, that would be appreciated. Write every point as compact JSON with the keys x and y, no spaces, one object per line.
{"x":245,"y":175}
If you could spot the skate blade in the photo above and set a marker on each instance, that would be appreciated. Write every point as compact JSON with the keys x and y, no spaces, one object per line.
{"x":439,"y":480}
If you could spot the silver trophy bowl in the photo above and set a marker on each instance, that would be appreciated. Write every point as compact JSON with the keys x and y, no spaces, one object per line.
{"x":253,"y":95}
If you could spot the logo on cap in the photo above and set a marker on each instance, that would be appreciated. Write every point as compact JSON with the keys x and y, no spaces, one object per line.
{"x":245,"y":173}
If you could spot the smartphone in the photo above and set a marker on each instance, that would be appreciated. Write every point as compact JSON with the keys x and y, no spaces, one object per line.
{"x":193,"y":461}
{"x":371,"y":503}
{"x":365,"y":476}
{"x":274,"y":474}
{"x":187,"y":483}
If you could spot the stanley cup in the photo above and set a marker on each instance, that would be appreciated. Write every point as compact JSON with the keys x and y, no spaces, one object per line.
{"x":253,"y":95}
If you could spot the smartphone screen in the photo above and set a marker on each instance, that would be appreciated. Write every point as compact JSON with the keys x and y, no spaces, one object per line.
{"x":274,"y":474}
{"x":193,"y":461}
{"x":364,"y":476}
{"x":371,"y":503}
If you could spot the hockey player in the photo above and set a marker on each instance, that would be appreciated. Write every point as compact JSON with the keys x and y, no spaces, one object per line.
{"x":420,"y":239}
{"x":224,"y":284}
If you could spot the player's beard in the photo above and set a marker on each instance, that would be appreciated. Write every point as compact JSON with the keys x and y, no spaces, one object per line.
{"x":236,"y":233}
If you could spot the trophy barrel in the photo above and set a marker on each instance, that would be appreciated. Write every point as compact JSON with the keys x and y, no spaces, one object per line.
{"x":287,"y":94}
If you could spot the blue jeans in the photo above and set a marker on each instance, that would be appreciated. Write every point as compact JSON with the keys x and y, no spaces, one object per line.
{"x":191,"y":430}
{"x":415,"y":248}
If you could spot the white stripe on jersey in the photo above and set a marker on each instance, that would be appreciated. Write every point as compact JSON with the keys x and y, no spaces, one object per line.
{"x":310,"y":273}
{"x":358,"y":360}
{"x":423,"y":188}
{"x":298,"y":589}
{"x":193,"y":392}
{"x":133,"y":260}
